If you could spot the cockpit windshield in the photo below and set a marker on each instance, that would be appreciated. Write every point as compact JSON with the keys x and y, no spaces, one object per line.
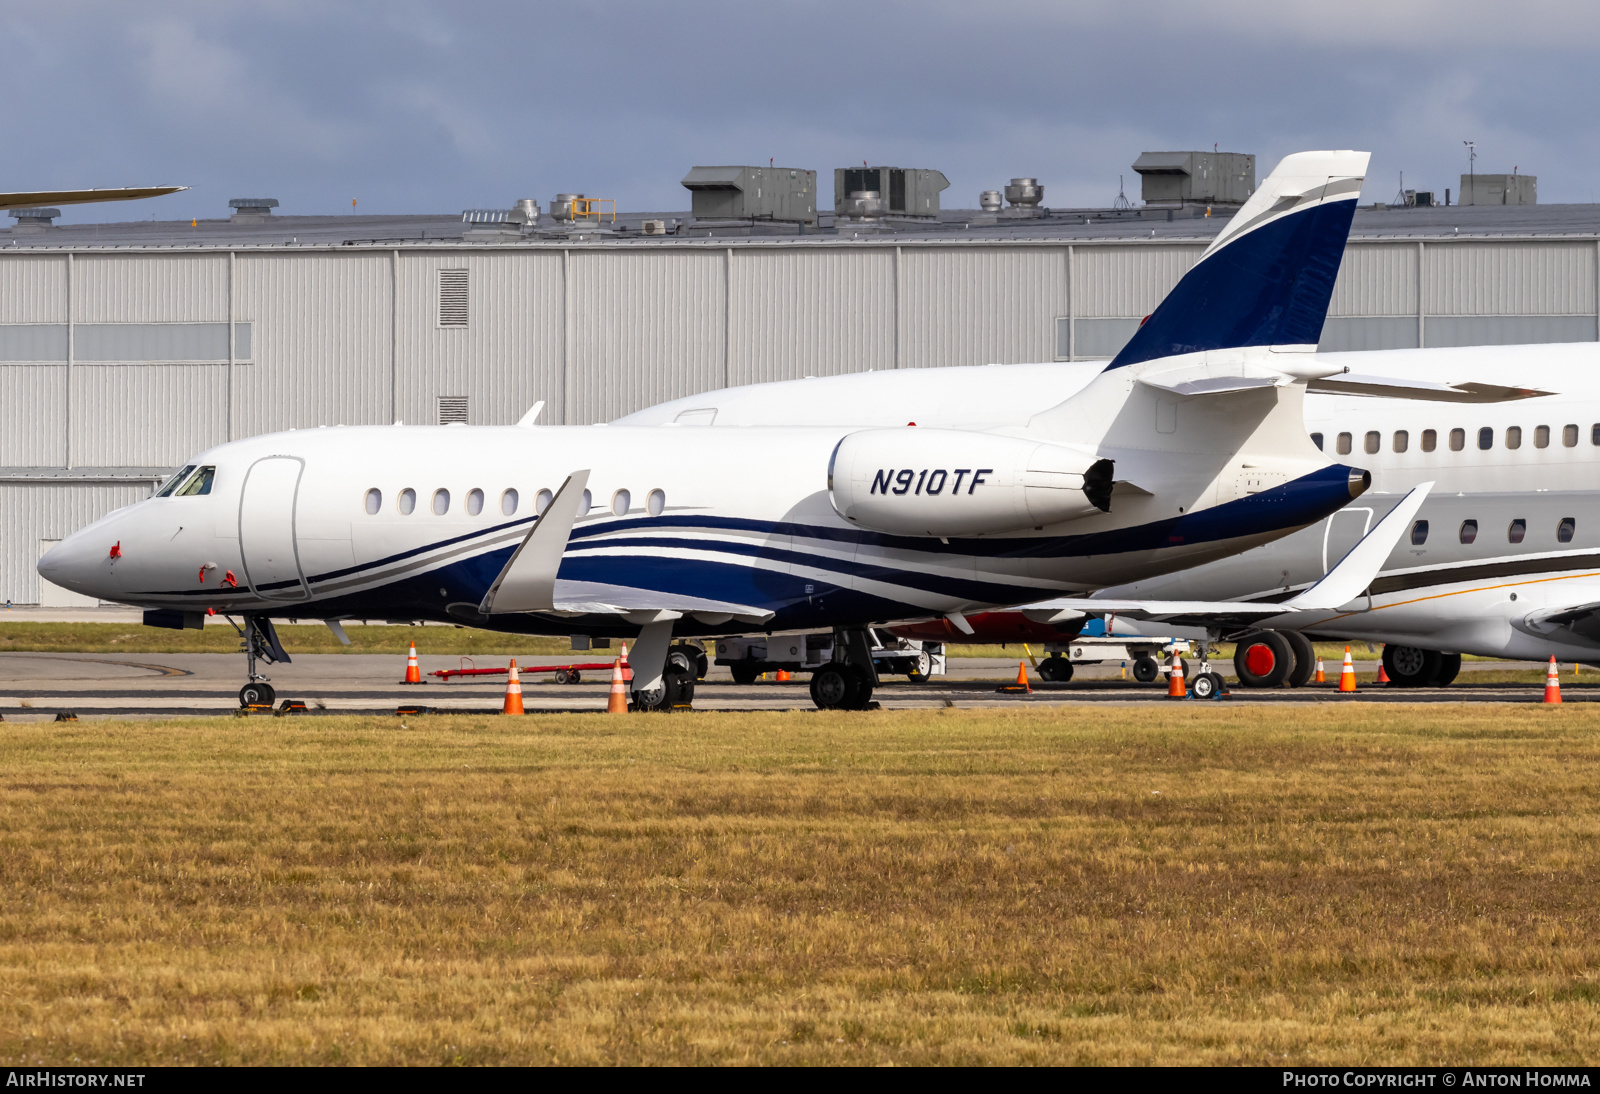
{"x":199,"y":483}
{"x":172,"y":484}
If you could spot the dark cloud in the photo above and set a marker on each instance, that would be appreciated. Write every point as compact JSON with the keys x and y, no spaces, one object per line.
{"x":437,"y":107}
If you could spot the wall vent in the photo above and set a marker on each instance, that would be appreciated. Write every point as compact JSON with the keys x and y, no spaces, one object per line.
{"x":452,"y":410}
{"x":452,"y":298}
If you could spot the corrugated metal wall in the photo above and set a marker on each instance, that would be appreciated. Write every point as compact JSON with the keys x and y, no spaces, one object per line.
{"x":815,"y":312}
{"x":980,"y":305}
{"x":352,"y":335}
{"x":644,"y":326}
{"x":36,"y":511}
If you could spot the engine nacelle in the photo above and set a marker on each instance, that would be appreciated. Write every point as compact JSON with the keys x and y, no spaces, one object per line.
{"x":951,"y":482}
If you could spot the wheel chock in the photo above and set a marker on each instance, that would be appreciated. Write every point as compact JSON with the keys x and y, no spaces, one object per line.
{"x":66,"y":716}
{"x":292,"y":706}
{"x":412,"y":710}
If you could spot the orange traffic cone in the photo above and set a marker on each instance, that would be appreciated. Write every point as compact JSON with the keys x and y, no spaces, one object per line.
{"x":1552,"y":683}
{"x":627,"y":671}
{"x":1347,"y":674}
{"x":783,"y":676}
{"x":1383,"y":676}
{"x":413,"y":670}
{"x":1022,"y":677}
{"x":618,"y":703}
{"x":513,"y":692}
{"x":1322,"y":677}
{"x":1175,"y":685}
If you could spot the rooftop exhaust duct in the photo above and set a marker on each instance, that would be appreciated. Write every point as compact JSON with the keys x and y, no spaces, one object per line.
{"x":252,"y":208}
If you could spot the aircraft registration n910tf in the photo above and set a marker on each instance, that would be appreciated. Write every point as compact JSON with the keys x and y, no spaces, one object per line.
{"x":564,"y":530}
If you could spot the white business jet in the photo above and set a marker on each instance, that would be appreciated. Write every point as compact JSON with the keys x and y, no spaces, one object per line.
{"x":1189,"y":447}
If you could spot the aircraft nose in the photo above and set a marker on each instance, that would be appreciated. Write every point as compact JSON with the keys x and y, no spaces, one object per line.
{"x":75,"y":563}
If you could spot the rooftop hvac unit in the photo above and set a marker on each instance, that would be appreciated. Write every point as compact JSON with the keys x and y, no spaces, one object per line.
{"x":753,"y":193}
{"x":1196,"y":178}
{"x":905,"y":191}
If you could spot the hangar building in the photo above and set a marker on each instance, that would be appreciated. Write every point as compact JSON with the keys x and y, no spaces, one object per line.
{"x":125,"y":348}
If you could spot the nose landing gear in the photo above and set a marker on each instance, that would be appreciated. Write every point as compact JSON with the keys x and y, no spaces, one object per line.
{"x":258,"y":640}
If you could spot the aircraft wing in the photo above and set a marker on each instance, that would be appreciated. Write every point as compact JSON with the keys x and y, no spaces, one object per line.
{"x":594,"y":598}
{"x":1340,"y":585}
{"x":21,"y":198}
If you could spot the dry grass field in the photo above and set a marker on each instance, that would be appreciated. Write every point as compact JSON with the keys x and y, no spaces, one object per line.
{"x":1140,"y":885}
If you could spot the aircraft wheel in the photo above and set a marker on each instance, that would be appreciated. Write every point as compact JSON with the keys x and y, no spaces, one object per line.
{"x":1056,"y":669}
{"x":691,"y":658}
{"x":675,"y":688}
{"x":923,"y":669}
{"x":254,"y":695}
{"x":1263,"y":659}
{"x":833,"y":687}
{"x":1145,"y":669}
{"x":1207,"y":685}
{"x":1449,"y":669}
{"x":744,"y":674}
{"x":1409,"y":666}
{"x":1305,"y":659}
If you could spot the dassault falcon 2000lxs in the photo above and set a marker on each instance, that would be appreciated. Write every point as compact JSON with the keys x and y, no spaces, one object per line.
{"x":505,"y":528}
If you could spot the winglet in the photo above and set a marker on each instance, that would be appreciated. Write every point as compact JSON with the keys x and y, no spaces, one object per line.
{"x":532,"y":415}
{"x":1356,"y":570}
{"x":528,"y":581}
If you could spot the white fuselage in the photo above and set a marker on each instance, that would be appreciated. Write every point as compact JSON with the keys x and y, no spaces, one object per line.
{"x":1442,"y":593}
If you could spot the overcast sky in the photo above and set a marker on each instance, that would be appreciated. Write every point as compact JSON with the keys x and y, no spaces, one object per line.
{"x":432,"y":107}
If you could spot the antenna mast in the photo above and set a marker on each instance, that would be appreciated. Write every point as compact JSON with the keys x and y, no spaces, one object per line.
{"x":1122,"y":201}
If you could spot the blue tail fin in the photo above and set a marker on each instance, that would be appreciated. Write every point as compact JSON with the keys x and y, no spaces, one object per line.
{"x":1267,"y":278}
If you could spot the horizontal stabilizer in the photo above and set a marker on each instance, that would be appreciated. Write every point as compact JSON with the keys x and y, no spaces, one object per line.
{"x":21,"y":198}
{"x":1349,"y":383}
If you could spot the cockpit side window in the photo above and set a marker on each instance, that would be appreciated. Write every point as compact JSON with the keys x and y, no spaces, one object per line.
{"x":198,"y":483}
{"x":172,"y":484}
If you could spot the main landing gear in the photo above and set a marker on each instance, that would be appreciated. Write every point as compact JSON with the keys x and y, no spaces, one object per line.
{"x":846,"y":684}
{"x":258,"y":641}
{"x":1412,"y":667}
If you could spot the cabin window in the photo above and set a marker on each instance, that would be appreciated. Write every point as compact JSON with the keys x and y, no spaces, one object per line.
{"x":656,"y":503}
{"x":1343,"y":445}
{"x":586,"y":503}
{"x":1419,"y":533}
{"x":441,"y":502}
{"x":1513,"y":437}
{"x":1569,"y":436}
{"x":1485,"y":439}
{"x":1594,"y":434}
{"x":1402,"y":440}
{"x":408,"y":501}
{"x":1316,"y":439}
{"x":474,"y":502}
{"x":199,"y":483}
{"x":1469,"y":531}
{"x":172,"y":484}
{"x":1458,"y":439}
{"x":374,"y":501}
{"x":1430,"y":440}
{"x":1518,"y":531}
{"x":1541,"y":436}
{"x":508,"y":503}
{"x":1565,"y":530}
{"x":620,"y":502}
{"x":542,"y":500}
{"x":1373,"y":440}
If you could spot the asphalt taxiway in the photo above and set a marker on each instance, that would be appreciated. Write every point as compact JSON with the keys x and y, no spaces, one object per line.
{"x":39,"y":685}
